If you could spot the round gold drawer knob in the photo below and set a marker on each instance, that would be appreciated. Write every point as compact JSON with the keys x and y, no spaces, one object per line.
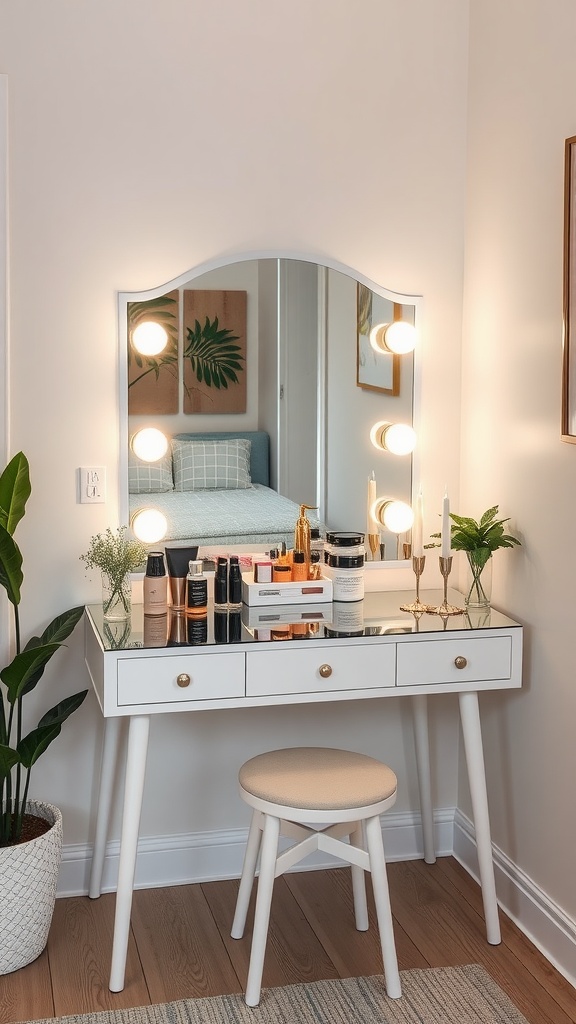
{"x":460,"y":661}
{"x":183,"y":679}
{"x":325,"y":671}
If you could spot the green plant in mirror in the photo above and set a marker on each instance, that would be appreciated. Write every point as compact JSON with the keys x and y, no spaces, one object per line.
{"x":19,"y":752}
{"x":214,"y":357}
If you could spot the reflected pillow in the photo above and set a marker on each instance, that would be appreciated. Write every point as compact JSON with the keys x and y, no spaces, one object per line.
{"x":222,"y":465}
{"x":150,"y":477}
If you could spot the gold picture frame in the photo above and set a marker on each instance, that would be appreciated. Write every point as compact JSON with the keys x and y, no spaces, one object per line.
{"x":569,"y":324}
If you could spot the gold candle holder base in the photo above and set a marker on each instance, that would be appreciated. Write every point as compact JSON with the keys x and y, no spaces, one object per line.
{"x":416,"y":607}
{"x":445,"y":609}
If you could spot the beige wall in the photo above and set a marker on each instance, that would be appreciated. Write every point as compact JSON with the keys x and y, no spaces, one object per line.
{"x":522,"y":86}
{"x":146,"y":138}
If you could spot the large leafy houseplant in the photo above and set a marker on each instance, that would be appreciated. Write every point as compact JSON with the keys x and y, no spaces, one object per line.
{"x":19,"y":752}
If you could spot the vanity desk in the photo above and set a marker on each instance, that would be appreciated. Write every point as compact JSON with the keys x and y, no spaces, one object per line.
{"x":254,"y":657}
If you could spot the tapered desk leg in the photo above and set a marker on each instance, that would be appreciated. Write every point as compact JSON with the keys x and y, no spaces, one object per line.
{"x":470,"y":716}
{"x":133,"y":789}
{"x":422,"y":742}
{"x":112,"y":728}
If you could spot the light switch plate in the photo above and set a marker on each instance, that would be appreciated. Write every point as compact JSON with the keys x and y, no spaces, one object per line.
{"x":92,"y":484}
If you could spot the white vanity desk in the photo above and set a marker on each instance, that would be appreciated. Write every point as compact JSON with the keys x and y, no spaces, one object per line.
{"x":392,"y":656}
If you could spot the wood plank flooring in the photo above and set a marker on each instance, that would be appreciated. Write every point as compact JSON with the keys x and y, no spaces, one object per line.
{"x":180,"y":946}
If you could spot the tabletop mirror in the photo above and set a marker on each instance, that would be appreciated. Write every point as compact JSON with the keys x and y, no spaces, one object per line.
{"x":253,"y":385}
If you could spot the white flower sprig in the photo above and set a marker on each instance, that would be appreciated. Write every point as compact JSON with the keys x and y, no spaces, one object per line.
{"x":115,"y":556}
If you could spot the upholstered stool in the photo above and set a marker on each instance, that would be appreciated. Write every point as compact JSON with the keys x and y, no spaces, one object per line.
{"x":291,"y":789}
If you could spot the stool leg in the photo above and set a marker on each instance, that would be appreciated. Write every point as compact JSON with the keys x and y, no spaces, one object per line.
{"x":262,"y":913}
{"x":247,"y":877}
{"x":359,"y":883}
{"x":383,"y":908}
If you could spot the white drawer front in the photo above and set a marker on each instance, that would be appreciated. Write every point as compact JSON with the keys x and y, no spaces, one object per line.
{"x":306,"y":671}
{"x":153,"y":680}
{"x":454,"y":661}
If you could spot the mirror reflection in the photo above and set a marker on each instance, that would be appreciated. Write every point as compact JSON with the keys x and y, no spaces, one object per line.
{"x":255,"y":387}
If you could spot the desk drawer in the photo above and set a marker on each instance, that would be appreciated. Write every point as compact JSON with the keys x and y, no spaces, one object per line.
{"x":153,"y":680}
{"x":351,"y":668}
{"x":454,"y":661}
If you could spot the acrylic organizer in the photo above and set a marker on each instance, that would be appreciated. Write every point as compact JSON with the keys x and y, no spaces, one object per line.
{"x":295,"y":592}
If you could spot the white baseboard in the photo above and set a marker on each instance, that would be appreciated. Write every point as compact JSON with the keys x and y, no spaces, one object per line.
{"x":542,"y":920}
{"x":209,"y":856}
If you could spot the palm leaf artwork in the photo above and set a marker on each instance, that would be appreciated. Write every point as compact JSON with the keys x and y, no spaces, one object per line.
{"x":161,"y":310}
{"x":214,"y":357}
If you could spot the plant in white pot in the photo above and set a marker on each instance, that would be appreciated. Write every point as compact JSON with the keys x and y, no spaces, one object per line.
{"x":30,"y":832}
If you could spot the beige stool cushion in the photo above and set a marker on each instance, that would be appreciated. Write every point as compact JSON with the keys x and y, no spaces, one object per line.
{"x":317,"y":778}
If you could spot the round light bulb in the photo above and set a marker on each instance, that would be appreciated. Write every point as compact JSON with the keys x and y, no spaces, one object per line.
{"x":398,"y":438}
{"x":149,"y":444}
{"x":149,"y":338}
{"x":149,"y":525}
{"x":400,"y":337}
{"x":377,"y":337}
{"x":396,"y":516}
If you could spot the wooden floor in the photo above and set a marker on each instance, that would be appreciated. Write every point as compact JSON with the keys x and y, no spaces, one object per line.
{"x":180,"y":945}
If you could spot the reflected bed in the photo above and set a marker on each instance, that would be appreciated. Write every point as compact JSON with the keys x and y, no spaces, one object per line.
{"x":244,"y":512}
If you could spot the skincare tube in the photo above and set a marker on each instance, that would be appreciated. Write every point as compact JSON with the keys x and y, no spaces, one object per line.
{"x":177,"y":560}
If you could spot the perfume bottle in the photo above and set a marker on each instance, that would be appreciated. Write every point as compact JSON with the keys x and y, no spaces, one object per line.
{"x":196,"y":591}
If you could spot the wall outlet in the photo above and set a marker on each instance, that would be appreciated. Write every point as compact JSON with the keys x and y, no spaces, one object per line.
{"x":92,"y":484}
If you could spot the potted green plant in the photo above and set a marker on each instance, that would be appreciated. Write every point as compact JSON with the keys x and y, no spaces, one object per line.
{"x":479,"y":539}
{"x":116,"y":556}
{"x":30,"y":832}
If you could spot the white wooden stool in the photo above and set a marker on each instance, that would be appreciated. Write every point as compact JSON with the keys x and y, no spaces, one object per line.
{"x":288,"y":791}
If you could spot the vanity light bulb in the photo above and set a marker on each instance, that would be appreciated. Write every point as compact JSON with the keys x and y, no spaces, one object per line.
{"x":149,"y":338}
{"x":396,"y":516}
{"x":400,"y":337}
{"x":149,"y":444}
{"x":149,"y":525}
{"x":398,"y":438}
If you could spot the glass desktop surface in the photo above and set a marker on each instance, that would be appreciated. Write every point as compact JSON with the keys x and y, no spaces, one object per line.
{"x":377,"y":615}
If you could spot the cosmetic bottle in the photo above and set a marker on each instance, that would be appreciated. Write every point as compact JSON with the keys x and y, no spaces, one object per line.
{"x":281,"y":573}
{"x":220,"y":625}
{"x":155,"y":588}
{"x":234,"y":583}
{"x":196,"y":591}
{"x":302,"y":532}
{"x":197,"y":629}
{"x":316,"y":542}
{"x":299,"y":566}
{"x":234,"y":626}
{"x":155,"y":630}
{"x":283,"y":556}
{"x":221,"y":582}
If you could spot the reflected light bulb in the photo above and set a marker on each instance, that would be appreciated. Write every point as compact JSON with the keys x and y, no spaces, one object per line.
{"x":398,"y":438}
{"x":149,"y":338}
{"x":149,"y":525}
{"x":396,"y":516}
{"x":149,"y":444}
{"x":400,"y":337}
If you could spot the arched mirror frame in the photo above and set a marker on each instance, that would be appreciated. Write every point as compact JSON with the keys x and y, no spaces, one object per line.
{"x":124,"y":298}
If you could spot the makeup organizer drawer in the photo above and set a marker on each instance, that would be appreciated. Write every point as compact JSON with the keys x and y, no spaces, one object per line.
{"x":182,"y":679}
{"x":457,"y":661}
{"x":320,"y":669}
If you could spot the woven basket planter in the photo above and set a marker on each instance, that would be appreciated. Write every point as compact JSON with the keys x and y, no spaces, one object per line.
{"x":28,"y":877}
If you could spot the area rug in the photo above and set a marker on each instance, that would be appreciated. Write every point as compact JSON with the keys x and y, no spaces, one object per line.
{"x":445,"y":995}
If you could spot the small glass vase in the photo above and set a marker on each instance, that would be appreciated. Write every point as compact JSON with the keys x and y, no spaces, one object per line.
{"x":478,"y":592}
{"x":116,"y":598}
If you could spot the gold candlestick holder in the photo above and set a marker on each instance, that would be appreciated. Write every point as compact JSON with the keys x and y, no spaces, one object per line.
{"x":416,"y":607}
{"x":374,"y":545}
{"x":445,"y":609}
